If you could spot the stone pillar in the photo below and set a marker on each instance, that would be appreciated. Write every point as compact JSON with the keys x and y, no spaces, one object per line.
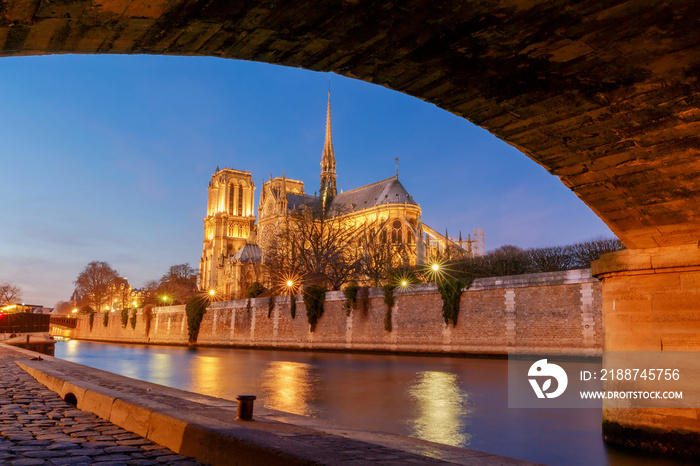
{"x":651,"y":302}
{"x":236,"y":193}
{"x":246,"y":201}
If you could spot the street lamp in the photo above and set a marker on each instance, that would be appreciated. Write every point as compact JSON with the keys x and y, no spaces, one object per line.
{"x":212,"y":292}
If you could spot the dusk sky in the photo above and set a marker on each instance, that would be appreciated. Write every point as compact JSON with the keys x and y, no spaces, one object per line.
{"x":108,"y":158}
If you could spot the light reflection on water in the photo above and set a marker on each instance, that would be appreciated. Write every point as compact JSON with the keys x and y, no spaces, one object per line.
{"x":290,"y":387}
{"x":159,"y":366}
{"x":442,"y":408}
{"x":454,"y":401}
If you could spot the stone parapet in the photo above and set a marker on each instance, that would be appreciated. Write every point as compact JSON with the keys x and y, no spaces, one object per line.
{"x":543,"y":313}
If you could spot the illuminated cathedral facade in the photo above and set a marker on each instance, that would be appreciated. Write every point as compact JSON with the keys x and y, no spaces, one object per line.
{"x":233,"y":252}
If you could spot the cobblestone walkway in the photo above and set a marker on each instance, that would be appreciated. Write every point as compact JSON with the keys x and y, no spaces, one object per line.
{"x":38,"y":428}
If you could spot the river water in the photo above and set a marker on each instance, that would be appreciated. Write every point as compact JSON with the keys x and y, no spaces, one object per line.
{"x":456,"y":401}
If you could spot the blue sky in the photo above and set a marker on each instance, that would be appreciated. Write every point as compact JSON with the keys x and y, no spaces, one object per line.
{"x":108,"y":158}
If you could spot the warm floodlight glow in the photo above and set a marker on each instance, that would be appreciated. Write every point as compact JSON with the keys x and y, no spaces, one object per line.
{"x":436,"y":267}
{"x":135,"y":303}
{"x":74,"y":311}
{"x":290,"y":283}
{"x":212,"y":292}
{"x":404,"y":283}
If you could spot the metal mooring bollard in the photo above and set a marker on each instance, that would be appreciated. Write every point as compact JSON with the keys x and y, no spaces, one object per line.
{"x":245,"y":407}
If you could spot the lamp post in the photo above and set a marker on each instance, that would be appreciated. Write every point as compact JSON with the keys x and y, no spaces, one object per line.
{"x":292,"y":298}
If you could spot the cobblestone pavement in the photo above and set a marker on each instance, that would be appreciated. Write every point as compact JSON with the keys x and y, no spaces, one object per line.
{"x":38,"y":428}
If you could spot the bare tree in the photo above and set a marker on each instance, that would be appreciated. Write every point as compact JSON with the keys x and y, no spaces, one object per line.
{"x":9,"y":293}
{"x":585,"y":253}
{"x":507,"y":260}
{"x":376,"y":255}
{"x":315,"y":246}
{"x":183,"y":273}
{"x":94,"y":282}
{"x":177,"y":285}
{"x":64,"y":308}
{"x":550,"y":259}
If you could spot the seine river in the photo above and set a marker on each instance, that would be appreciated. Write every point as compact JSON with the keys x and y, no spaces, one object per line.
{"x":457,"y":401}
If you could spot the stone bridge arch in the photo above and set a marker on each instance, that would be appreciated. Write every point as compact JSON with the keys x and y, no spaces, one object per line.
{"x":602,"y":93}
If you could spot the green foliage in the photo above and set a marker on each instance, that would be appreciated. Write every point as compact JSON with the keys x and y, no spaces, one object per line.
{"x":147,"y":315}
{"x":92,"y":318}
{"x":125,"y":317}
{"x":451,"y":292}
{"x":270,"y":306}
{"x":195,"y":309}
{"x":293,"y":305}
{"x":314,"y":296}
{"x":132,"y":321}
{"x":255,"y":290}
{"x":389,"y":294}
{"x":350,"y":293}
{"x":105,"y":320}
{"x":389,"y":301}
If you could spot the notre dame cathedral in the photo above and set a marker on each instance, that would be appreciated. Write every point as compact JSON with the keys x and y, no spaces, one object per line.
{"x":233,"y":252}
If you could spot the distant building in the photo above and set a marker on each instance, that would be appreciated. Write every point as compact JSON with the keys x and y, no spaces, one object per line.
{"x":234,"y":245}
{"x":16,"y":308}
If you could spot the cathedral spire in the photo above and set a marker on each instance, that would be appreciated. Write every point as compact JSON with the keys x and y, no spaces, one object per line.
{"x":328,"y":185}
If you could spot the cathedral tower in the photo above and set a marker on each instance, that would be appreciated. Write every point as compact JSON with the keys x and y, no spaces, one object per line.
{"x":230,"y":220}
{"x":328,"y":185}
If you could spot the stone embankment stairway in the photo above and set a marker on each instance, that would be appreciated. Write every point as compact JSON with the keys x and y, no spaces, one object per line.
{"x":38,"y":428}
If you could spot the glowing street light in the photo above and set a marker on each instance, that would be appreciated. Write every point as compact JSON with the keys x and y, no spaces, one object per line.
{"x":435,"y":267}
{"x":212,"y":292}
{"x":404,"y":283}
{"x":74,"y":311}
{"x":290,"y":283}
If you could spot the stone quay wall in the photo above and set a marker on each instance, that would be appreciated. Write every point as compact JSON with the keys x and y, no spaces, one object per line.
{"x":543,"y":313}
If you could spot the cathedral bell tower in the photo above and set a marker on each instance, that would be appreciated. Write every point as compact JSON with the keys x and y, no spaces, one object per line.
{"x":230,"y":220}
{"x":328,"y":184}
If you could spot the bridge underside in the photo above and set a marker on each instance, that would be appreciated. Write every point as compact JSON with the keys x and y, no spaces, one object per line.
{"x":603,"y":94}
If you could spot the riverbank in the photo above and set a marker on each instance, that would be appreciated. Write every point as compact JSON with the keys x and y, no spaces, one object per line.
{"x":547,"y":313}
{"x":205,"y":427}
{"x":37,"y":427}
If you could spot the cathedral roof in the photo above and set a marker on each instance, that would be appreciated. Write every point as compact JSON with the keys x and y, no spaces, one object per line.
{"x":249,"y":252}
{"x":387,"y":191}
{"x":383,"y":192}
{"x":295,"y":201}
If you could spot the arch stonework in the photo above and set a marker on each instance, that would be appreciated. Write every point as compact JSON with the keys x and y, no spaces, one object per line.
{"x":603,"y":94}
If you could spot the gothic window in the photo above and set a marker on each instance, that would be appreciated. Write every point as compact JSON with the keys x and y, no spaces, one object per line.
{"x":230,"y":199}
{"x":396,"y":232}
{"x":240,"y":201}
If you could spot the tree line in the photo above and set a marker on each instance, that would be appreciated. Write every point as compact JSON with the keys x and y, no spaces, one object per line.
{"x":316,"y":248}
{"x":99,"y":286}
